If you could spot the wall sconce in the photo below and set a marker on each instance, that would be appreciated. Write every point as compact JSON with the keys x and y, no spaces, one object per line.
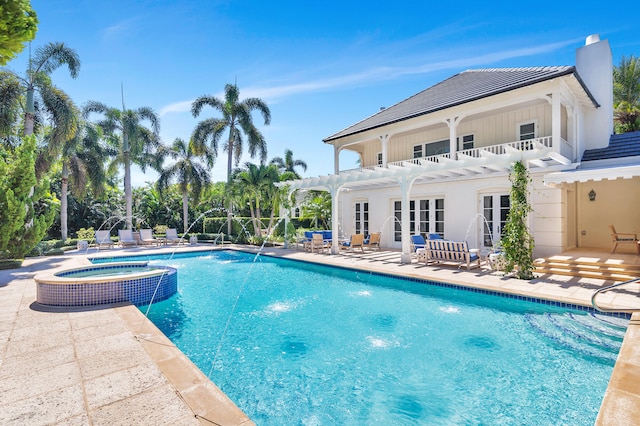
{"x":592,"y":195}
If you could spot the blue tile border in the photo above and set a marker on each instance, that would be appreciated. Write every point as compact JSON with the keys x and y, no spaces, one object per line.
{"x":399,"y":277}
{"x":108,"y":289}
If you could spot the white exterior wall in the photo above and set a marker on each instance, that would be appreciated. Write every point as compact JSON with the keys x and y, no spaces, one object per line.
{"x":594,"y":64}
{"x":493,"y":130}
{"x":548,"y":218}
{"x":463,"y":205}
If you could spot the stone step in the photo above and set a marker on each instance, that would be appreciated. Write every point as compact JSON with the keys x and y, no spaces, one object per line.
{"x":586,"y":269}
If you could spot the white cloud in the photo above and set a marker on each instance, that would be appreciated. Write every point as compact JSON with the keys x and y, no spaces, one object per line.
{"x":374,"y":74}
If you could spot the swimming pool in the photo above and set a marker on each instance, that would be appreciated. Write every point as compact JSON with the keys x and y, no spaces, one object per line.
{"x":308,"y":344}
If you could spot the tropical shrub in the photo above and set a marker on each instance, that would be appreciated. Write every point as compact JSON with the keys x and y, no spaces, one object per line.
{"x":27,"y":208}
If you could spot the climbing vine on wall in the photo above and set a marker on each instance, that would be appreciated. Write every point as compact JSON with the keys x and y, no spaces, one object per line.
{"x":517,"y":242}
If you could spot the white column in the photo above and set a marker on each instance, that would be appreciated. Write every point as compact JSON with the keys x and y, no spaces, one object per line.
{"x":336,"y":159}
{"x":556,"y":123}
{"x":286,"y":225}
{"x":453,"y":135}
{"x":334,"y":190}
{"x":384,"y":140}
{"x":405,"y":190}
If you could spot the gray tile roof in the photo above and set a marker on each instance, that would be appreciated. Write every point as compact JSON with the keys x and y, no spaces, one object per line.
{"x":622,"y":145}
{"x":464,"y":87}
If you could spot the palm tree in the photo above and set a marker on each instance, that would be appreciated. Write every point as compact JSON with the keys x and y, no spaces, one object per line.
{"x":288,"y":164}
{"x":190,"y":175}
{"x":626,"y":94}
{"x":135,"y":142}
{"x":83,"y":159}
{"x":318,"y":208}
{"x":256,"y":186}
{"x":236,"y":120}
{"x":42,"y":97}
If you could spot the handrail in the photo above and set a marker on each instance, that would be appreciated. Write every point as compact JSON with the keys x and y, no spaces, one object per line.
{"x":600,"y":290}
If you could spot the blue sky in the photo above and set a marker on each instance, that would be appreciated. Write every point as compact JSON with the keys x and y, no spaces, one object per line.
{"x":320,"y":66}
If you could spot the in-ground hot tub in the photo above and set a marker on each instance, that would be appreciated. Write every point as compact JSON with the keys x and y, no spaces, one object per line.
{"x":134,"y":282}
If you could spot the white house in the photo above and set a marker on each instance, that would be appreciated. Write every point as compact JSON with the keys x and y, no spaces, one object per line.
{"x":439,"y":161}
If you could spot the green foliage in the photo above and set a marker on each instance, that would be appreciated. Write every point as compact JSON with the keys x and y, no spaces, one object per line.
{"x":18,"y":25}
{"x":318,"y":209}
{"x":10,"y":263}
{"x":626,"y":94}
{"x":516,"y":240}
{"x":160,"y":229}
{"x":85,"y":234}
{"x":27,"y":209}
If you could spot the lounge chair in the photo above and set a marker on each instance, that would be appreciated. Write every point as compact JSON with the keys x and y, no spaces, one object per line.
{"x":356,"y":241}
{"x":621,"y":238}
{"x":103,"y":239}
{"x":125,"y":237}
{"x":172,"y":236}
{"x":147,"y":238}
{"x":372,"y":241}
{"x":418,"y":242}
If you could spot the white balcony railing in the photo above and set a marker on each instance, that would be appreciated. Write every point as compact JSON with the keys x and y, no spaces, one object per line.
{"x":565,"y":149}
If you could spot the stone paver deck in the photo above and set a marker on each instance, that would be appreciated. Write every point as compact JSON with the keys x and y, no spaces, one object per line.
{"x":109,"y":365}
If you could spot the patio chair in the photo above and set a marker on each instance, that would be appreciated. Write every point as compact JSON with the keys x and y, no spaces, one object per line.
{"x":306,"y":241}
{"x":372,"y":241}
{"x":147,"y":238}
{"x":103,"y":239}
{"x":125,"y":238}
{"x":417,"y":242}
{"x":356,"y":241}
{"x":172,"y":236}
{"x":317,"y":242}
{"x":623,"y":238}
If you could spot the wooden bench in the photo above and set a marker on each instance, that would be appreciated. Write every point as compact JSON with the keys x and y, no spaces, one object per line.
{"x":449,"y":251}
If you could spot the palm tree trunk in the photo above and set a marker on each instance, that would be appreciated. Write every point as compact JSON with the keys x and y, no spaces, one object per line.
{"x":253,"y":219}
{"x":229,"y":164}
{"x":128,"y":197}
{"x":64,"y":203}
{"x":258,"y":219}
{"x":30,"y":112}
{"x":185,"y":211}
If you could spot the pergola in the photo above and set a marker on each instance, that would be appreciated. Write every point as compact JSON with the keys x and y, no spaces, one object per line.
{"x":407,"y":173}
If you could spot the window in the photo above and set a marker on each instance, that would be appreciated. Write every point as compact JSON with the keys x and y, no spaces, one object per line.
{"x":362,"y":218}
{"x":379,"y":159}
{"x":527,"y":131}
{"x":467,"y":142}
{"x":397,"y":223}
{"x":437,"y":148}
{"x":417,"y":151}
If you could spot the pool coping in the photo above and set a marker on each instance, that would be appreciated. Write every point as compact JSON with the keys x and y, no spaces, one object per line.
{"x":209,"y":404}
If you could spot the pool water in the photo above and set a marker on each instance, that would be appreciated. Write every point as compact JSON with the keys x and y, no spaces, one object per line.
{"x":314,"y":345}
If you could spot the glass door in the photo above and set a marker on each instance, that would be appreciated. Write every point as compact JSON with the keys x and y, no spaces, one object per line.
{"x":495,"y":209}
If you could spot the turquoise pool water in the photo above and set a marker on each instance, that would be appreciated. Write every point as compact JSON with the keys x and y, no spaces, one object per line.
{"x":313,"y":345}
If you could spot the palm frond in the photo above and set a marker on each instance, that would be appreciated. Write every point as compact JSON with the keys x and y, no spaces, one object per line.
{"x":52,"y":56}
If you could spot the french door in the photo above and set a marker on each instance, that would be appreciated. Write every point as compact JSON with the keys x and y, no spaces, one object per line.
{"x":361,"y":219}
{"x":495,"y":209}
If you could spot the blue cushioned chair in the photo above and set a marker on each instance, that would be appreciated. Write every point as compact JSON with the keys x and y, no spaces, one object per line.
{"x":435,"y":237}
{"x":418,"y":242}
